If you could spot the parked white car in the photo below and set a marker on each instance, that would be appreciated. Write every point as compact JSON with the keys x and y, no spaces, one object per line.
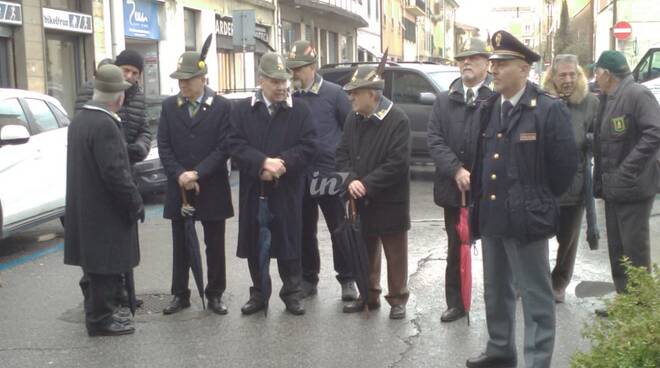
{"x":647,"y":71}
{"x":33,"y":140}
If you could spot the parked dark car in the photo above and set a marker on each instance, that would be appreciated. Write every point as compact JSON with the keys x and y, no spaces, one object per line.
{"x":412,"y":86}
{"x":149,"y":173}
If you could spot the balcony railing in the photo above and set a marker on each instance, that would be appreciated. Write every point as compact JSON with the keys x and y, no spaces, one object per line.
{"x":416,"y":7}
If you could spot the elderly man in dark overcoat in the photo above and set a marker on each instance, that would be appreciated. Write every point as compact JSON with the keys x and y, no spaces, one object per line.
{"x":102,"y":204}
{"x":191,"y":143}
{"x":273,"y":141}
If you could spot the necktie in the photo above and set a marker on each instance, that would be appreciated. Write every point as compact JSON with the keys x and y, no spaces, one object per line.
{"x":469,"y":97}
{"x":506,"y":111}
{"x":193,"y":107}
{"x":272,"y":109}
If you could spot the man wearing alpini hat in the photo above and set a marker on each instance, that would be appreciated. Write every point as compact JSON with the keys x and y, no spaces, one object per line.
{"x":191,"y":144}
{"x":375,"y":153}
{"x":102,"y":205}
{"x":626,"y":171}
{"x":331,"y":106}
{"x":452,"y":141}
{"x":527,"y":158}
{"x":273,"y":141}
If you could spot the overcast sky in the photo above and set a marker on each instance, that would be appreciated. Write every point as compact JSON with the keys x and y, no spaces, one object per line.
{"x":478,"y":12}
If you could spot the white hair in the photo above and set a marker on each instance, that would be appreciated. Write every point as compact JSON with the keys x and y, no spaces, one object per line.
{"x":106,"y":97}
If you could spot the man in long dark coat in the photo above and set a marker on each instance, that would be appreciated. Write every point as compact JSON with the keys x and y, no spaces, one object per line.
{"x":191,"y":144}
{"x":375,"y":152}
{"x":102,"y":204}
{"x":331,"y":106}
{"x":452,"y":140}
{"x":273,"y":140}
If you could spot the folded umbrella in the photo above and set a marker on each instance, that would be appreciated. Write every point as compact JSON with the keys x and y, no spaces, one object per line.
{"x":463,"y":230}
{"x":192,"y":244}
{"x":129,"y":283}
{"x":348,"y":236}
{"x":593,"y":235}
{"x":264,"y":218}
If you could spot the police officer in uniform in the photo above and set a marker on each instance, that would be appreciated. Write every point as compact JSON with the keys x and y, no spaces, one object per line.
{"x":191,"y":144}
{"x":102,"y":204}
{"x":452,"y":140}
{"x":527,"y":158}
{"x":331,"y":106}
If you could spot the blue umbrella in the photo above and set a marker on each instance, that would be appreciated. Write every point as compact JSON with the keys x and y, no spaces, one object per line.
{"x":192,"y":244}
{"x":264,"y":218}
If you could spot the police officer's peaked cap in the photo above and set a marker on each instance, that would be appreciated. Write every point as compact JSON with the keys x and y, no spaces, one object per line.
{"x":189,"y":66}
{"x":614,"y":61}
{"x":508,"y":47}
{"x":272,"y":66}
{"x":473,"y":46}
{"x":365,"y":77}
{"x":110,"y":79}
{"x":302,"y":53}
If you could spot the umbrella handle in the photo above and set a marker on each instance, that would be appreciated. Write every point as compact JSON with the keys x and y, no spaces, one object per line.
{"x":463,"y":199}
{"x":184,"y":197}
{"x":353,"y":209}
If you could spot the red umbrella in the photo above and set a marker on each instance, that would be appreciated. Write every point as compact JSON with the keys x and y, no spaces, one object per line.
{"x":463,"y":230}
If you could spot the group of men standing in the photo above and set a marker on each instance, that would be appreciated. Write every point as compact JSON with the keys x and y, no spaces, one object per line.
{"x":521,"y":156}
{"x":518,"y":154}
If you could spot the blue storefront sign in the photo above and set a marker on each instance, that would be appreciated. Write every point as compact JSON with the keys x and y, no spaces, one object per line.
{"x":141,"y":19}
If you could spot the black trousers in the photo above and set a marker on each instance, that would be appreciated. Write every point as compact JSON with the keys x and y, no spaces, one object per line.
{"x":333,"y":212}
{"x":100,"y":293}
{"x":290,"y":272}
{"x":568,"y":236}
{"x":453,"y":269}
{"x":214,"y":238}
{"x":628,"y":235}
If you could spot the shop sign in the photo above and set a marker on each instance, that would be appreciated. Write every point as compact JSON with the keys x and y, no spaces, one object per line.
{"x":67,"y":21}
{"x":141,"y":19}
{"x":11,"y":13}
{"x":224,"y":27}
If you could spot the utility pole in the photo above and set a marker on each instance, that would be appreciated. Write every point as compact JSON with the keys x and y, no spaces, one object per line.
{"x":614,"y":20}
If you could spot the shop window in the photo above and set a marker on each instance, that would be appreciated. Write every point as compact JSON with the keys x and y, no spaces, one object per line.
{"x":190,"y":28}
{"x":44,"y":119}
{"x":333,"y":46}
{"x":324,"y":47}
{"x":64,"y":66}
{"x":290,"y":34}
{"x":309,"y":35}
{"x":346,"y":48}
{"x":70,"y":5}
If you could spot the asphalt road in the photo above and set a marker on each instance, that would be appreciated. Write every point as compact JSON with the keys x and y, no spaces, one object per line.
{"x":41,"y":318}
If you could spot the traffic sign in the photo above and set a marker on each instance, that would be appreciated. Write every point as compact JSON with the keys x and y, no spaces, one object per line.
{"x":622,"y":30}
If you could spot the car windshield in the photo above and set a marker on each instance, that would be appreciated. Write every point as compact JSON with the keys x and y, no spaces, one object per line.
{"x":443,"y":79}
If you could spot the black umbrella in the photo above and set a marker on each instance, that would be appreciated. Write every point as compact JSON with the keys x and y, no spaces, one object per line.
{"x":348,"y":236}
{"x":192,"y":243}
{"x":590,"y":203}
{"x":264,"y":218}
{"x":129,"y":283}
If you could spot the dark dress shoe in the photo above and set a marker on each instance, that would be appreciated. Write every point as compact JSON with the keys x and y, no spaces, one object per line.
{"x":123,"y":316}
{"x":253,"y":306}
{"x":112,"y":328}
{"x":216,"y":305}
{"x":295,"y":307}
{"x":348,"y":291}
{"x":177,"y":305}
{"x":308,"y":289}
{"x":452,"y":314}
{"x":358,"y":306}
{"x":398,"y":312}
{"x":485,"y":361}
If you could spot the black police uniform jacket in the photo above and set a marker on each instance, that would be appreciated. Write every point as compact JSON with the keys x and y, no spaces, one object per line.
{"x":196,"y":143}
{"x":289,"y":134}
{"x":453,"y":134}
{"x":376,"y":151}
{"x":522,"y":169}
{"x":102,"y":201}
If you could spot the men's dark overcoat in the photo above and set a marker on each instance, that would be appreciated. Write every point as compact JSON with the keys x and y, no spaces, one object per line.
{"x":102,"y":200}
{"x":376,"y":151}
{"x":452,"y":138}
{"x":196,"y":143}
{"x":289,"y":134}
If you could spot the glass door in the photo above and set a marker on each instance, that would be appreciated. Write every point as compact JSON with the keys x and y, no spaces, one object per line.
{"x":64,"y":66}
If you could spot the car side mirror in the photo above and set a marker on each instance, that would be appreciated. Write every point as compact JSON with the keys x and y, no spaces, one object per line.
{"x":14,"y":134}
{"x":427,"y":98}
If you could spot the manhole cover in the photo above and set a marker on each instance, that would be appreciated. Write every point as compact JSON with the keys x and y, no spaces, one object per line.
{"x":153,"y":303}
{"x":590,"y":289}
